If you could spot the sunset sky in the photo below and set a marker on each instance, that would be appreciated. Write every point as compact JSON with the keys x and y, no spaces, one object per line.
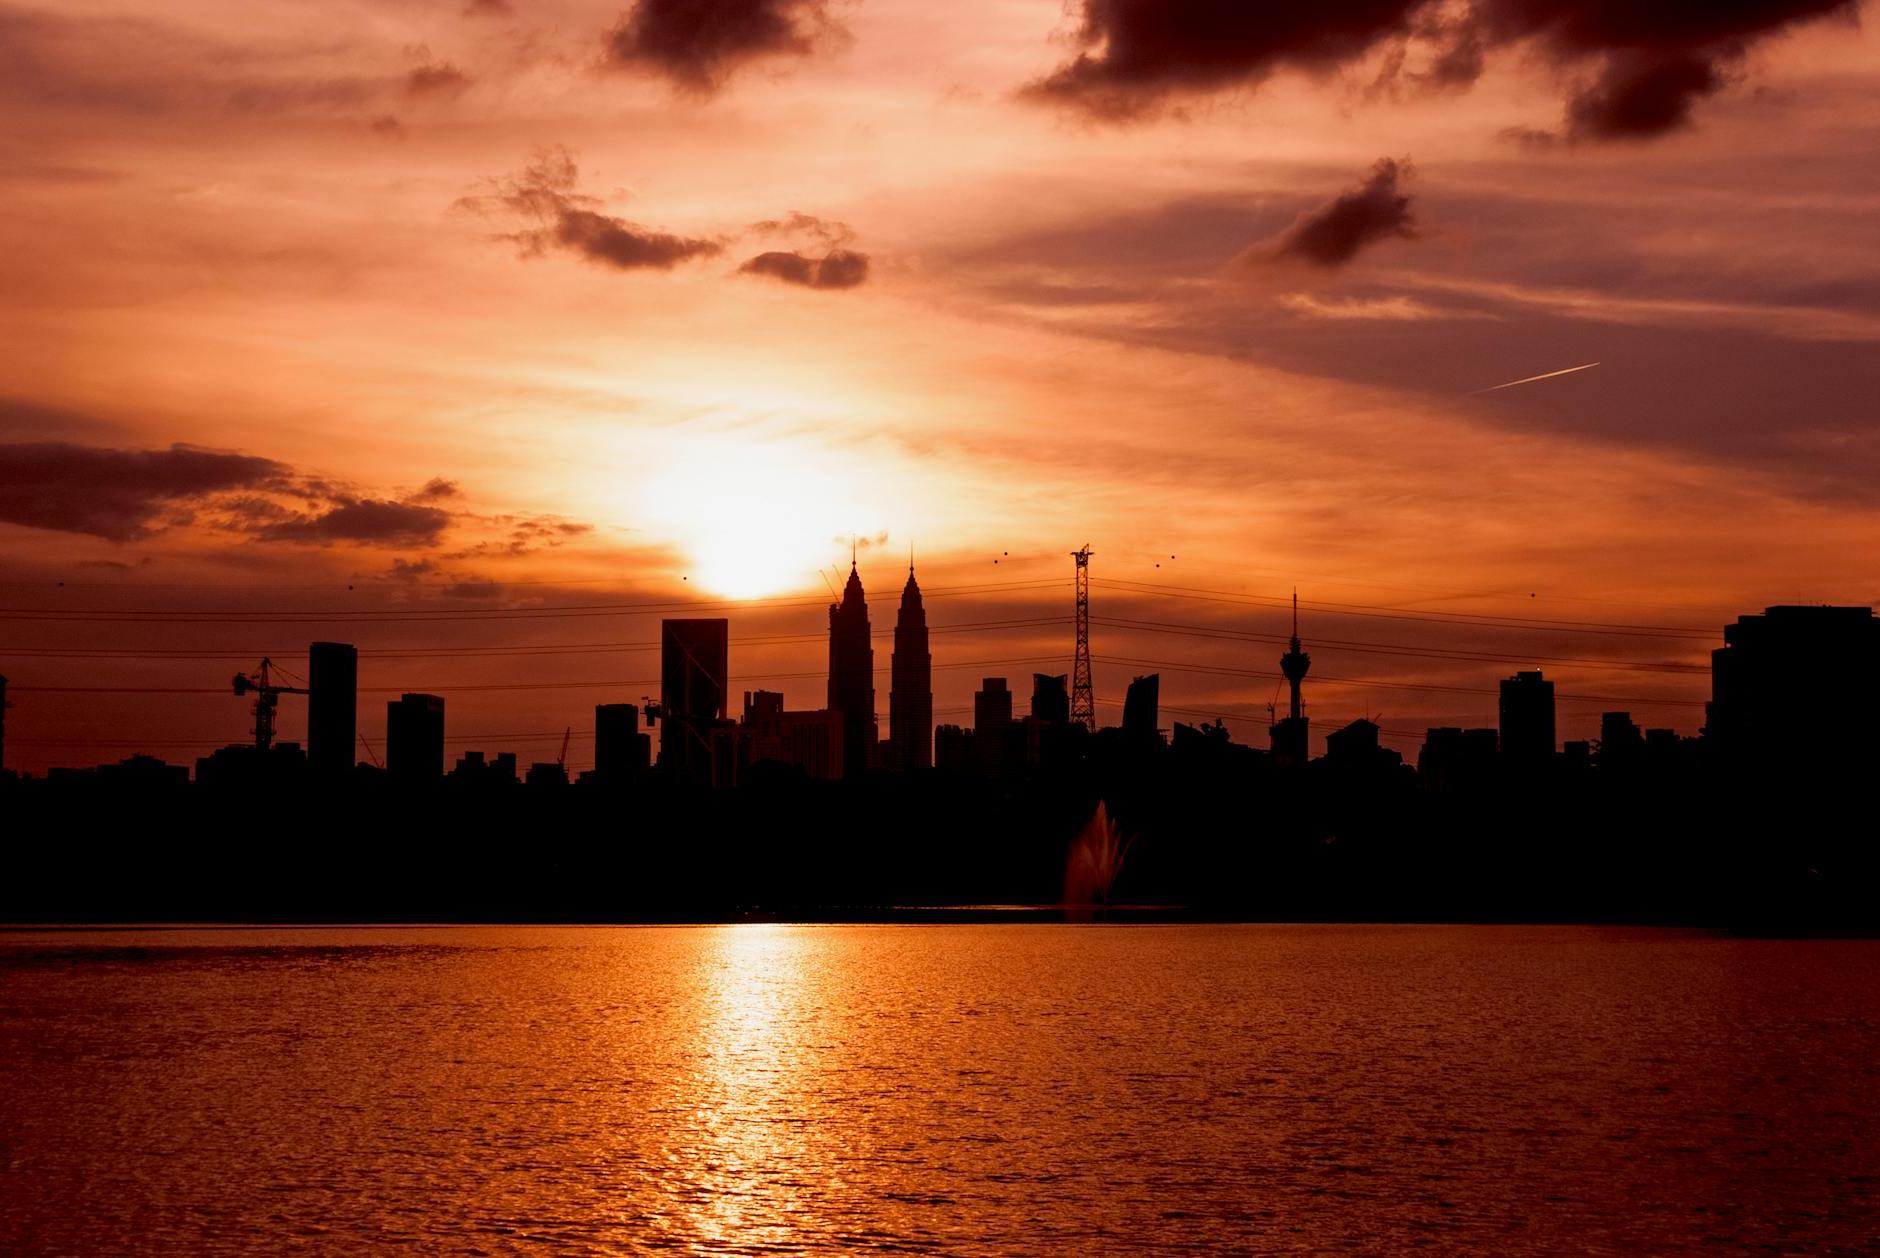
{"x":509,"y":326}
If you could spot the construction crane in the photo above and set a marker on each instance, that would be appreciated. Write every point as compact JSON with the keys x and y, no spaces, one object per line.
{"x":267,"y":698}
{"x":562,"y":759}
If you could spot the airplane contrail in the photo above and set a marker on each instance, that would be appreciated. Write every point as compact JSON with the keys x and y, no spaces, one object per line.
{"x":1545,"y":375}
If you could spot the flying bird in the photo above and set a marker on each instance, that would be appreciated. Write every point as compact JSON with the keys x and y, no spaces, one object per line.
{"x":1545,"y":375}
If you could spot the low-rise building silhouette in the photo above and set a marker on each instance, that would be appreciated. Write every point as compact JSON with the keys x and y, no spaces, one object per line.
{"x":809,"y":741}
{"x":1621,"y":744}
{"x":1456,"y":759}
{"x":621,"y":752}
{"x":547,"y":773}
{"x":474,"y":769}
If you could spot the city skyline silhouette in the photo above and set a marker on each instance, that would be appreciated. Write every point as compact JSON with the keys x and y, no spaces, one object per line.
{"x":1002,"y":626}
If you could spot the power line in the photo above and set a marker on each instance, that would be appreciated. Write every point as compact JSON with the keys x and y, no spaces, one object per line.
{"x":454,"y":687}
{"x":439,"y":614}
{"x":1433,"y":652}
{"x":1390,"y":685}
{"x":470,"y":652}
{"x":1374,"y":611}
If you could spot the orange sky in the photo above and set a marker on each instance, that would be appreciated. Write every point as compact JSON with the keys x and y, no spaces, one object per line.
{"x":472,"y":293}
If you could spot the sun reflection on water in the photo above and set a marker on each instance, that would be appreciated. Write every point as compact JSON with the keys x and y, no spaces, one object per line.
{"x":742,"y":1145}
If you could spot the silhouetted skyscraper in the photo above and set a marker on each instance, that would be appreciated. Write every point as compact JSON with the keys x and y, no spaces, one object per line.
{"x":1796,"y":690}
{"x":1527,"y":717}
{"x":620,"y":749}
{"x":1142,"y":708}
{"x":992,"y":717}
{"x":332,"y":707}
{"x":414,"y":737}
{"x":1050,"y":698}
{"x":3,"y":723}
{"x":694,"y":666}
{"x":992,"y":705}
{"x":910,"y":697}
{"x":852,"y":674}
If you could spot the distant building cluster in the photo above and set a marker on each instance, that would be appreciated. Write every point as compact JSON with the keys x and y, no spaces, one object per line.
{"x":1760,"y":723}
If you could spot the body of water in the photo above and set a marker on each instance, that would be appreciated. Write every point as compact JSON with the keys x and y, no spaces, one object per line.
{"x":960,"y":1089}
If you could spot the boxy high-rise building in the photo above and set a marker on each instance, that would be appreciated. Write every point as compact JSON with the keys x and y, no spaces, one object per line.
{"x":1142,"y":708}
{"x":332,"y":707}
{"x":1051,"y":698}
{"x":694,"y":665}
{"x":1527,"y":717}
{"x":414,"y":738}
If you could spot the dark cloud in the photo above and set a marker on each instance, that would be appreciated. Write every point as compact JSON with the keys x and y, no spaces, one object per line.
{"x":436,"y":78}
{"x":365,"y":520}
{"x":1636,"y":69}
{"x":488,"y":8}
{"x":1333,"y":234}
{"x":1638,"y":95}
{"x":119,"y":495}
{"x":410,"y":572}
{"x":827,"y":232}
{"x":699,"y":43}
{"x":437,"y":489}
{"x":614,"y":242}
{"x":565,"y":219}
{"x":1147,"y":50}
{"x":526,"y":535}
{"x":839,"y":268}
{"x":388,"y":126}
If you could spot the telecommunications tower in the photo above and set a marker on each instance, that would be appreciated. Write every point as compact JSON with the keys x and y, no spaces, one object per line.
{"x":1083,"y":700}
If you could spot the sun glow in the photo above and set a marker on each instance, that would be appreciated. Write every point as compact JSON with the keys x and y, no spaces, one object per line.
{"x":758,"y":519}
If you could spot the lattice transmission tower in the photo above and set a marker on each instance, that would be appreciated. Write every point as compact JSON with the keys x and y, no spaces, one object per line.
{"x":1083,"y":698}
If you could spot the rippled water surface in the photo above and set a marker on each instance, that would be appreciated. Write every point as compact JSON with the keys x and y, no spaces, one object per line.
{"x":969,"y":1089}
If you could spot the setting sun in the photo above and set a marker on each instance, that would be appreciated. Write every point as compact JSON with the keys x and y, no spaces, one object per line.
{"x":757,"y":519}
